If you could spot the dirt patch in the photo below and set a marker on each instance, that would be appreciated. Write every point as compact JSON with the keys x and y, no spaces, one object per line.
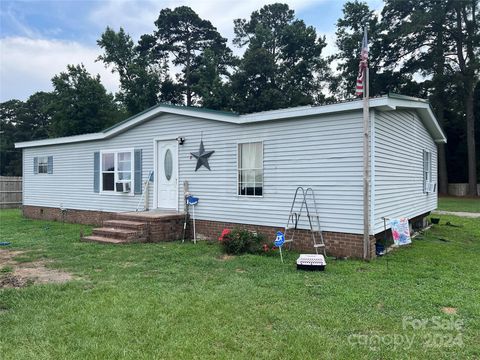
{"x":28,"y":272}
{"x":11,"y":281}
{"x":449,"y":310}
{"x":362,"y":269}
{"x":225,"y":257}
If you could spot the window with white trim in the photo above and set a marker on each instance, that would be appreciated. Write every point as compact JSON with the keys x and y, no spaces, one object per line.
{"x":427,"y":170}
{"x":117,"y":171}
{"x":250,"y":169}
{"x":42,"y":165}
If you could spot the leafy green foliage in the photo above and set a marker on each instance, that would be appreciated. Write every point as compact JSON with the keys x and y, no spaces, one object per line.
{"x":282,"y":65}
{"x":144,"y":79}
{"x":350,"y":29}
{"x":22,"y":121}
{"x":183,"y":36}
{"x":80,"y":103}
{"x":241,"y":241}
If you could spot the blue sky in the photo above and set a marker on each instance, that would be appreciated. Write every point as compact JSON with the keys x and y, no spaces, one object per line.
{"x":39,"y":38}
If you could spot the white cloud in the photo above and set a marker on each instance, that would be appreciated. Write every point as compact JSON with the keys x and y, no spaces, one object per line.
{"x":29,"y":61}
{"x":27,"y":65}
{"x":138,"y":18}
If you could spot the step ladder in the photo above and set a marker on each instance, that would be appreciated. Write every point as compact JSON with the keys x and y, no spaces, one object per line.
{"x":303,"y":202}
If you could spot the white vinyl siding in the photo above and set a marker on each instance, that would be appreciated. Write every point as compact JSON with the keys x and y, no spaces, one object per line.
{"x":322,"y":151}
{"x":400,"y":167}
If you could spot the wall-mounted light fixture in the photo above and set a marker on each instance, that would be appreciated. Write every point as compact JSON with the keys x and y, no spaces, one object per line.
{"x":180,"y":140}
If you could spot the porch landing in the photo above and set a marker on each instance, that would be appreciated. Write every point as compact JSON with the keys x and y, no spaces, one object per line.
{"x":144,"y":226}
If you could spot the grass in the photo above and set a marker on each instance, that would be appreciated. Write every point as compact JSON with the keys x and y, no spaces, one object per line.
{"x":459,"y":204}
{"x":177,"y":301}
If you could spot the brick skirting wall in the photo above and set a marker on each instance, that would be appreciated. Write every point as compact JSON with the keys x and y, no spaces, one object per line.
{"x":337,"y":244}
{"x":87,"y":217}
{"x":171,"y":228}
{"x":167,"y":228}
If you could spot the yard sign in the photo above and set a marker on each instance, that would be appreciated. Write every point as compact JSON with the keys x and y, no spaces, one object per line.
{"x":400,"y":231}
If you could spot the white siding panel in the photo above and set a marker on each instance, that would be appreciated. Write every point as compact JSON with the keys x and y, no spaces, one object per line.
{"x":324,"y":153}
{"x":400,"y":139}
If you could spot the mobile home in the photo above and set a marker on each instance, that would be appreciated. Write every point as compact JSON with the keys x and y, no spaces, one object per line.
{"x":243,"y":168}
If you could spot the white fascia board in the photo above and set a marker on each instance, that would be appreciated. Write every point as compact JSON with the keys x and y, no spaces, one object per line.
{"x":125,"y":126}
{"x":61,"y":140}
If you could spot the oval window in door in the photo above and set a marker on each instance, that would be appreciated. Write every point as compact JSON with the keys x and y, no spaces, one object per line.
{"x":168,"y":164}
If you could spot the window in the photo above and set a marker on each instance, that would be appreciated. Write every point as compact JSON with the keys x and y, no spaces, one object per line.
{"x":250,"y":169}
{"x":427,"y":171}
{"x":117,"y":171}
{"x":43,"y":165}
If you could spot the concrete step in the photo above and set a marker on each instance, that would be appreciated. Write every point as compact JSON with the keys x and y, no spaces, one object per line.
{"x":124,"y":224}
{"x":116,"y":233}
{"x":104,"y":240}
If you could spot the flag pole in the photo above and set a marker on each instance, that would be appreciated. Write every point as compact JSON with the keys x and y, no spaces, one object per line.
{"x":366,"y":170}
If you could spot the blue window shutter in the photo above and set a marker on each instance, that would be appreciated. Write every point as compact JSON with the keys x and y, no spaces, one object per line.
{"x":96,"y":171}
{"x":50,"y":165}
{"x":424,"y":168}
{"x":35,"y":165}
{"x":137,"y":187}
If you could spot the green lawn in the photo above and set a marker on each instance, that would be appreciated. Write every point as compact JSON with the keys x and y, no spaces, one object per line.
{"x":459,"y":204}
{"x":181,"y":301}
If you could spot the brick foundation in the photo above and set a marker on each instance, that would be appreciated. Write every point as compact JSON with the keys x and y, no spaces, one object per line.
{"x":87,"y":217}
{"x":337,"y":244}
{"x":171,"y":228}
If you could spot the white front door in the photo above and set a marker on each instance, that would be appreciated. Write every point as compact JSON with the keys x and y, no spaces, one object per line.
{"x":167,"y":179}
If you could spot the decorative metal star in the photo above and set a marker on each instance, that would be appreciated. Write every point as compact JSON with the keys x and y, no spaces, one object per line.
{"x":202,"y":157}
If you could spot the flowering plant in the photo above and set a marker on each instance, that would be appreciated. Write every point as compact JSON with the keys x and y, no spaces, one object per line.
{"x":241,"y":241}
{"x":225,"y":233}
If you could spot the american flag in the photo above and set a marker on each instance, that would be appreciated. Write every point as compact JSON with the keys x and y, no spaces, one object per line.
{"x":362,"y":66}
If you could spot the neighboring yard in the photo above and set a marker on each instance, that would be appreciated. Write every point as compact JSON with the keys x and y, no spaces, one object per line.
{"x":451,"y":203}
{"x":183,"y":301}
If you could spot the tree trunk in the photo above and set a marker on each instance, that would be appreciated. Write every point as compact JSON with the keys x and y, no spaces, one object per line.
{"x":187,"y":75}
{"x":187,"y":80}
{"x":472,"y":160}
{"x":442,"y":170}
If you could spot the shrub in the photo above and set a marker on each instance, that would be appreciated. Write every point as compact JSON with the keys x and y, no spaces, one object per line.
{"x":241,"y":241}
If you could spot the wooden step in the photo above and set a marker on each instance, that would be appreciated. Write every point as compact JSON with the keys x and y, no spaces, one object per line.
{"x":120,"y":234}
{"x":125,"y":224}
{"x":104,"y":240}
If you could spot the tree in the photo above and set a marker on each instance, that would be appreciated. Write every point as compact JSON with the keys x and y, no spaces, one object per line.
{"x":350,"y":30}
{"x":437,"y":39}
{"x":467,"y":45}
{"x":10,"y":159}
{"x":184,"y":36}
{"x":282,"y":63}
{"x":418,"y":37}
{"x":22,"y":121}
{"x":208,"y":77}
{"x":141,"y":74}
{"x":80,"y":103}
